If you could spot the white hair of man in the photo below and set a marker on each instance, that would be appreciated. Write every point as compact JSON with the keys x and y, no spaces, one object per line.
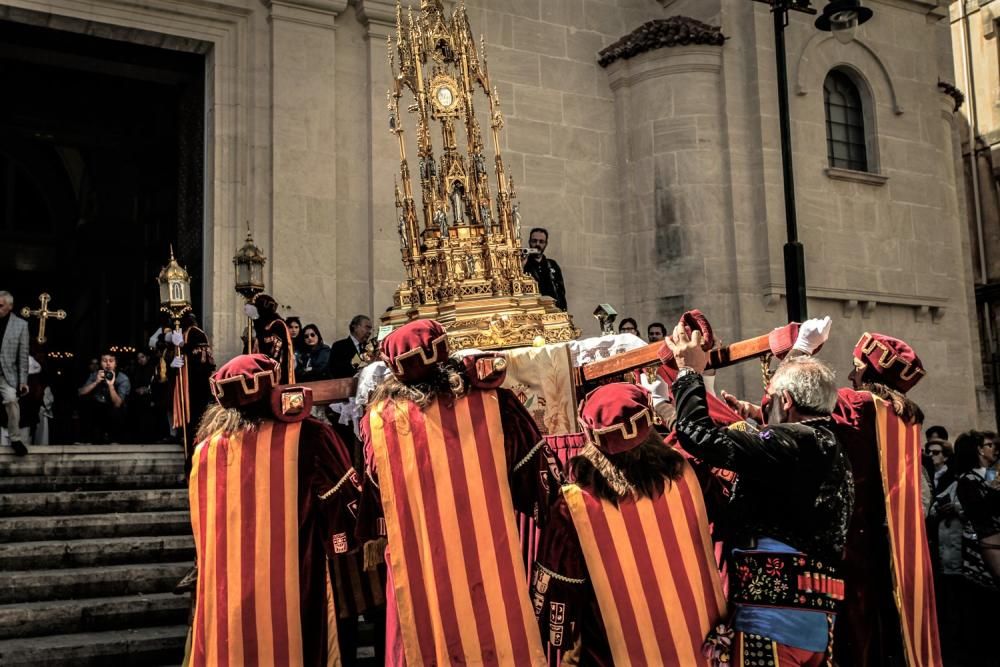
{"x":7,"y":296}
{"x":811,"y":384}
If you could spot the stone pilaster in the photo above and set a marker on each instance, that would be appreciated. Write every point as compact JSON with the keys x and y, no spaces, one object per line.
{"x":304,"y":230}
{"x":386,"y":269}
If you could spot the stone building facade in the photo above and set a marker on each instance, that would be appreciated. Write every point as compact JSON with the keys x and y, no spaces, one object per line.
{"x":976,"y":49}
{"x":658,"y":175}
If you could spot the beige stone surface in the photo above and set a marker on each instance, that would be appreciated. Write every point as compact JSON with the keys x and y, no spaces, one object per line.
{"x":659,"y":178}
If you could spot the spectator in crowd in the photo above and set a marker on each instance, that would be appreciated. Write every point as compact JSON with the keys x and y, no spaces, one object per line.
{"x":978,"y":493}
{"x":102,"y":402}
{"x":944,"y":537}
{"x":544,"y":270}
{"x":628,"y":326}
{"x":939,"y":434}
{"x":294,"y":325}
{"x":656,"y":332}
{"x":13,"y":368}
{"x":314,"y":356}
{"x":346,"y":354}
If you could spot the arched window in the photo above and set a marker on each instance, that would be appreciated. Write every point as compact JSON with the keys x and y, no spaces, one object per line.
{"x":846,"y":143}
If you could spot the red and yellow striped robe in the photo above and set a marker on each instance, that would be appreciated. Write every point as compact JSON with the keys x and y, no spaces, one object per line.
{"x":257,"y":503}
{"x":454,"y":554}
{"x":913,"y":582}
{"x":653,"y":571}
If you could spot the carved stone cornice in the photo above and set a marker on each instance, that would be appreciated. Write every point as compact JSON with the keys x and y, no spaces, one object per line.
{"x":660,"y":33}
{"x":863,"y":301}
{"x":319,"y":13}
{"x":378,"y":11}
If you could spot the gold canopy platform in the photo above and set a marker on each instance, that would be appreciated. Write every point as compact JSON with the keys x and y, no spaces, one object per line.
{"x":464,"y":261}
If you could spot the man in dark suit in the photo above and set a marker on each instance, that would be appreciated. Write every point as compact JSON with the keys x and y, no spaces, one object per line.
{"x":346,"y":353}
{"x":13,"y":368}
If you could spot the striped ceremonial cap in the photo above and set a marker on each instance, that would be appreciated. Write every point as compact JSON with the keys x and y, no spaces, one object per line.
{"x":413,"y":350}
{"x":617,"y":417}
{"x":889,"y":361}
{"x":244,"y":380}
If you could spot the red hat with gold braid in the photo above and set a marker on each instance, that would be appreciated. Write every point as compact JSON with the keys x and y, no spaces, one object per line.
{"x":617,"y":417}
{"x":413,"y":350}
{"x":253,"y":378}
{"x":889,"y":361}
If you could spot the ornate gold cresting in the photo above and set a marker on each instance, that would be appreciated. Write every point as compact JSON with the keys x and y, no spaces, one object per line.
{"x":461,"y":245}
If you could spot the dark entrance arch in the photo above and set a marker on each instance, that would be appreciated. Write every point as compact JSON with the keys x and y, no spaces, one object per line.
{"x":101,"y":169}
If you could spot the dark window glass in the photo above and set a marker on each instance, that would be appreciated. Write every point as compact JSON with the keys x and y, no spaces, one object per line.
{"x":845,"y":125}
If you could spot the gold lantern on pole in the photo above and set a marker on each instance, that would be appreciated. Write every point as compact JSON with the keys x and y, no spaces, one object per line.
{"x":248,"y":264}
{"x":175,"y":289}
{"x":175,"y":300}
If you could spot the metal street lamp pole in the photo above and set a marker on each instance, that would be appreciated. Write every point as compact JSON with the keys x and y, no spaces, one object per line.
{"x":840,"y":17}
{"x":795,"y":261}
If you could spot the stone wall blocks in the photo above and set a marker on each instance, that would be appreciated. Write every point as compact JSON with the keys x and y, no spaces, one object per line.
{"x":576,"y":143}
{"x":514,"y":66}
{"x":538,"y":37}
{"x":590,"y":178}
{"x":498,"y":28}
{"x":640,"y":142}
{"x":584,"y":45}
{"x":528,"y":136}
{"x":675,"y":134}
{"x":699,"y":167}
{"x":533,"y":103}
{"x":527,"y":8}
{"x":544,"y":173}
{"x":603,"y":16}
{"x":593,"y":113}
{"x":696,"y":94}
{"x":569,"y":75}
{"x":563,"y":13}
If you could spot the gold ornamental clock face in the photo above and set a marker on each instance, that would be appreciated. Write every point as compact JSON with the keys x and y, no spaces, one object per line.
{"x":445,"y":96}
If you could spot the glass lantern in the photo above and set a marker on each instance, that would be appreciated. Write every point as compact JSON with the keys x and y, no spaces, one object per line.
{"x":249,"y":266}
{"x":175,"y":288}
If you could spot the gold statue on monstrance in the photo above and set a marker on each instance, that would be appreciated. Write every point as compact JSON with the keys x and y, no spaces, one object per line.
{"x":462,"y":247}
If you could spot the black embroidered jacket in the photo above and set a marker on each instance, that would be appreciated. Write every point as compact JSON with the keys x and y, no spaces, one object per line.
{"x":794,"y":480}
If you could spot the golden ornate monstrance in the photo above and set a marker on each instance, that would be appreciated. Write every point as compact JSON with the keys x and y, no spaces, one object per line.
{"x":464,"y":262}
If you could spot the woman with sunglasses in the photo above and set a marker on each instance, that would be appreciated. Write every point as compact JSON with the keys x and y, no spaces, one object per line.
{"x":314,"y":355}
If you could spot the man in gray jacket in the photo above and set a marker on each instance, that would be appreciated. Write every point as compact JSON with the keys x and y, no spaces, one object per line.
{"x":13,"y":368}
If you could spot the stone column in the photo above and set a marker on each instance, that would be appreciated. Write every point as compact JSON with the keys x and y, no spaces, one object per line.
{"x":674,"y":178}
{"x":303,"y":237}
{"x":385,"y":266}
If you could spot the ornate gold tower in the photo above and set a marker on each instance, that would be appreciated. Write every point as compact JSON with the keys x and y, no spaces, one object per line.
{"x":463,"y":261}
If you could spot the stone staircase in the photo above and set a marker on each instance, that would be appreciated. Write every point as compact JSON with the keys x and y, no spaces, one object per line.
{"x":92,"y":541}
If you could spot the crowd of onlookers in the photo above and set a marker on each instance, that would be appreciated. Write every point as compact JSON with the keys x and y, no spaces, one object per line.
{"x":126,"y":395}
{"x":962,"y":502}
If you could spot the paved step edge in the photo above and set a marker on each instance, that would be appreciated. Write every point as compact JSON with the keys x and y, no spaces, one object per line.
{"x":50,"y":617}
{"x":99,"y":482}
{"x":91,"y":526}
{"x":91,"y":502}
{"x":95,"y":551}
{"x":87,"y":582}
{"x":131,"y":647}
{"x":100,"y":449}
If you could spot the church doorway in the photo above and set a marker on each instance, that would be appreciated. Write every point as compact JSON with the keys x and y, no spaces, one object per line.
{"x":102,"y":154}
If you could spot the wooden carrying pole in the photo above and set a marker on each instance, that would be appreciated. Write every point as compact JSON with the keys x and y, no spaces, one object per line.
{"x":649,"y":355}
{"x":330,"y":391}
